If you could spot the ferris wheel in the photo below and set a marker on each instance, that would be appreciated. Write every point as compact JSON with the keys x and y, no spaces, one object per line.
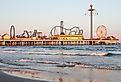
{"x":101,"y":31}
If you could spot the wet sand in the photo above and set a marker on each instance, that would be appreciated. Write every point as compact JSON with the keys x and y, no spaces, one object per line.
{"x":8,"y":78}
{"x":75,"y":74}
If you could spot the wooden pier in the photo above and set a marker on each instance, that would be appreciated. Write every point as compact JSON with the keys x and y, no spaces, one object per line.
{"x":55,"y":42}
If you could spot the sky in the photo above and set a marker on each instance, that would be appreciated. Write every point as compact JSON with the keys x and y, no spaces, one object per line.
{"x":43,"y":15}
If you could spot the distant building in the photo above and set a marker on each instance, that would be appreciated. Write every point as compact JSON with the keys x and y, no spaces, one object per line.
{"x":69,"y":37}
{"x":6,"y":37}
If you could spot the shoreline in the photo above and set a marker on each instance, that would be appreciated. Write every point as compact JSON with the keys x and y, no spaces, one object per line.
{"x":75,"y":75}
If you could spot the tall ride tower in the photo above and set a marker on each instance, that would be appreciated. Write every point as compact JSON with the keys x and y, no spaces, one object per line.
{"x":61,"y":27}
{"x":91,"y":20}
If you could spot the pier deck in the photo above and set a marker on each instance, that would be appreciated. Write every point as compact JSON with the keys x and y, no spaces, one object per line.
{"x":55,"y":42}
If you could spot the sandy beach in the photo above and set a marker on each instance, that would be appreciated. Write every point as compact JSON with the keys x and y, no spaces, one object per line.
{"x":75,"y":75}
{"x":7,"y":78}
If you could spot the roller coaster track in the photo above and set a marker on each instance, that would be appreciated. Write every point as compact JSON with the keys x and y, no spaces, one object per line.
{"x":76,"y":30}
{"x":12,"y":32}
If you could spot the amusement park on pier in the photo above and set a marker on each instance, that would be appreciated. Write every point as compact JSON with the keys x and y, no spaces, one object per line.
{"x":59,"y":35}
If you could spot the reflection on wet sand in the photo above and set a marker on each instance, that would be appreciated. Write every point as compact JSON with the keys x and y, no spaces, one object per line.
{"x":62,"y":80}
{"x":82,"y":75}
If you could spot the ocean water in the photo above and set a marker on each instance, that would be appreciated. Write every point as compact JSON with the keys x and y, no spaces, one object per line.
{"x":89,"y":64}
